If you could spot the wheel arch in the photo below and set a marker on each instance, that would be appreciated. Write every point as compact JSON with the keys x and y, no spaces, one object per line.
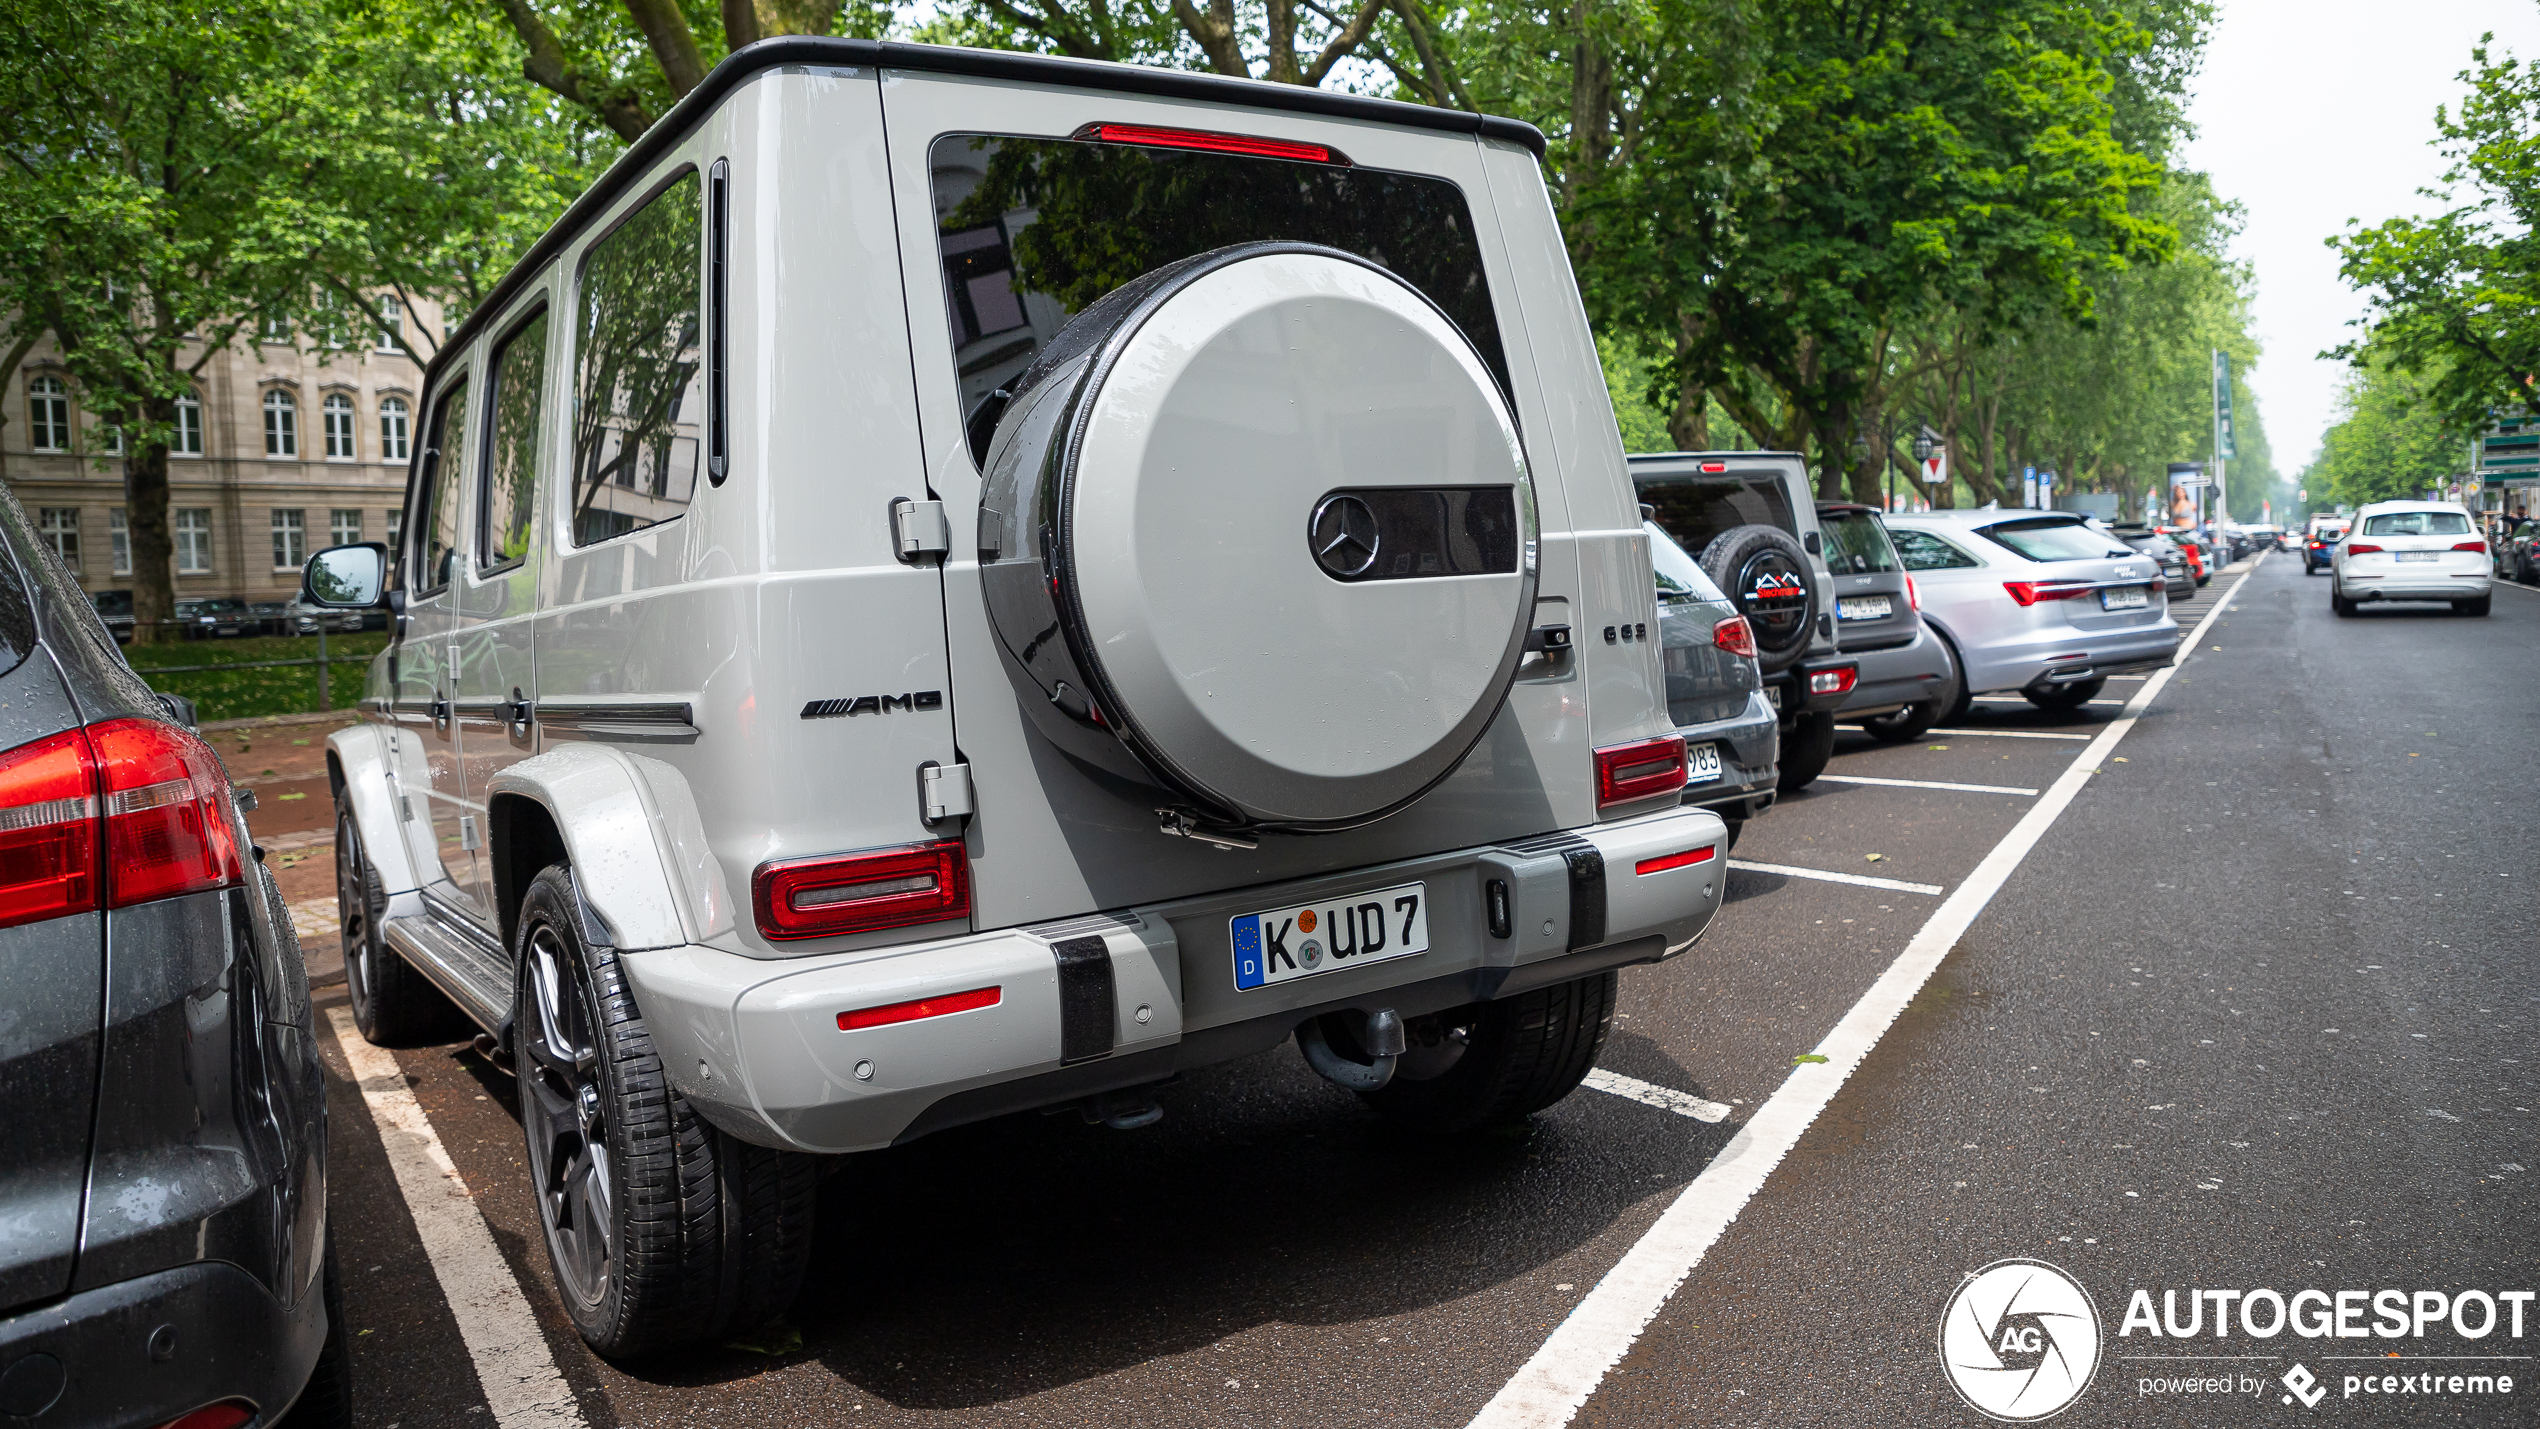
{"x":358,"y":772}
{"x":627,"y":826}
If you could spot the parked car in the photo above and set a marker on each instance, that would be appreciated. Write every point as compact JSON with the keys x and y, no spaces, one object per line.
{"x":1715,"y":690}
{"x":115,"y":608}
{"x":2163,"y":552}
{"x":2037,"y":602}
{"x":269,"y":617}
{"x":1907,"y":677}
{"x":2412,"y":550}
{"x":2518,"y":552}
{"x":2319,"y":549}
{"x":2202,"y":560}
{"x":301,"y":618}
{"x":1270,"y":641}
{"x":166,"y":1257}
{"x":215,"y":616}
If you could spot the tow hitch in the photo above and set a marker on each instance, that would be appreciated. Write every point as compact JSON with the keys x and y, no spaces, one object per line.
{"x":1379,"y":1035}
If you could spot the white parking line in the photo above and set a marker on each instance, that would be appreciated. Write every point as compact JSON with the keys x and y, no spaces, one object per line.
{"x":1926,"y":784}
{"x":2022,"y":699}
{"x":513,"y":1366}
{"x":2013,"y":734}
{"x":1862,"y":880}
{"x":1551,"y":1387}
{"x":1666,"y":1098}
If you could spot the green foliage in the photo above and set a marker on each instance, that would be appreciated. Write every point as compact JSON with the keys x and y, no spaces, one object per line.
{"x":242,"y":693}
{"x":2391,"y":441}
{"x":2455,"y":299}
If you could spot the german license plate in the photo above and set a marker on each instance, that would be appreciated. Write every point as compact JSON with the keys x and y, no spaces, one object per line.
{"x":1327,"y":936}
{"x":2419,"y":555}
{"x":1773,"y":696}
{"x":1702,"y":763}
{"x":2125,"y":597}
{"x":1864,"y":607}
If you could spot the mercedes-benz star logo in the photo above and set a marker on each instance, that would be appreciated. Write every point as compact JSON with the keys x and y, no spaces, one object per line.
{"x":1344,"y":536}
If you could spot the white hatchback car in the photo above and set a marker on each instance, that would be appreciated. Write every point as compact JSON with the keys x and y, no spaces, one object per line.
{"x":2411,"y":550}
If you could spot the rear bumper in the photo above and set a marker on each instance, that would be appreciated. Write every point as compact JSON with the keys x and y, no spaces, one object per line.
{"x":2049,"y":656}
{"x":1902,"y":676}
{"x":1131,"y":997}
{"x":1750,"y":746}
{"x":231,"y":1340}
{"x":2445,"y":585}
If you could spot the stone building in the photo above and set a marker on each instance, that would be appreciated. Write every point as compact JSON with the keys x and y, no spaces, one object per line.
{"x":287,"y":446}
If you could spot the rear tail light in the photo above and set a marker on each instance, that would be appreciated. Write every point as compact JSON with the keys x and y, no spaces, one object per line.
{"x":124,"y":812}
{"x":1837,"y":681}
{"x":2362,"y":548}
{"x":2031,"y":592}
{"x":1735,"y":636}
{"x":1667,"y":861}
{"x":228,"y":1414}
{"x":1151,"y":137}
{"x":1913,"y":597}
{"x":862,"y":892}
{"x":2478,"y":546}
{"x":1625,"y":772}
{"x":918,"y":1009}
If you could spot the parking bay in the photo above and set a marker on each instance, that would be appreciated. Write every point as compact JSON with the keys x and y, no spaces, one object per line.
{"x":1271,"y":1253}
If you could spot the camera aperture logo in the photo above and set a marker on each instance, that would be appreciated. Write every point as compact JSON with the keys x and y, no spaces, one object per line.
{"x":2020,"y":1340}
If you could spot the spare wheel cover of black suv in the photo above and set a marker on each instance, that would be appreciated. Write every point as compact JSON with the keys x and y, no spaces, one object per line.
{"x":1767,"y":576}
{"x":1262,"y":519}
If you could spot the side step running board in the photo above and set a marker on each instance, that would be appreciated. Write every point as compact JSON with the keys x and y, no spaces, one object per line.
{"x":469,"y":969}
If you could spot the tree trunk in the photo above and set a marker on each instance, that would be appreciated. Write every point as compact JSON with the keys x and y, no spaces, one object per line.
{"x":1689,"y":426}
{"x":146,"y":522}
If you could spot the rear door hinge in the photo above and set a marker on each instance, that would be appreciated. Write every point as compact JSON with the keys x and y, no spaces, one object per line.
{"x":920,"y":528}
{"x":943,"y":791}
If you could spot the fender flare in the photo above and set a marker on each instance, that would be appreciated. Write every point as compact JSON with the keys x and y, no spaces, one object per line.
{"x":358,"y":766}
{"x":630,"y":830}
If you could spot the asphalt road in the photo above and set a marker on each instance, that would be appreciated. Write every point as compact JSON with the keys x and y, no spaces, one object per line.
{"x":2255,"y":1011}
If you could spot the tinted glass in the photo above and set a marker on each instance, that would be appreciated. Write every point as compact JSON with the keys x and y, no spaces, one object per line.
{"x":518,"y":381}
{"x":1679,"y":577}
{"x":1694,"y":510}
{"x":639,"y":370}
{"x":2417,"y":523}
{"x":2052,"y":540}
{"x":1856,"y":544}
{"x":444,"y":468}
{"x":1033,"y":230}
{"x":1923,"y":551}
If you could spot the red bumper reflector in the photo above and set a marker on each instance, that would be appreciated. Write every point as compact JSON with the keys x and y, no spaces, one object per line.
{"x":862,"y":892}
{"x":228,"y":1414}
{"x":1625,"y":772}
{"x":1664,"y":862}
{"x":919,"y":1008}
{"x":1152,"y":137}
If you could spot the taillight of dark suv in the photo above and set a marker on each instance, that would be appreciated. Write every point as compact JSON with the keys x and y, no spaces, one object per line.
{"x":122,"y":812}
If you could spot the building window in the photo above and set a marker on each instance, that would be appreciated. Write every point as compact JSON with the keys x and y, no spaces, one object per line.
{"x":48,"y":405}
{"x":396,"y":522}
{"x":110,"y":439}
{"x":60,"y":528}
{"x":392,"y":429}
{"x":282,"y":424}
{"x":277,"y":330}
{"x":290,"y":541}
{"x":188,"y":440}
{"x":338,"y":411}
{"x":343,"y":527}
{"x":119,"y":541}
{"x":193,"y":540}
{"x":392,"y":323}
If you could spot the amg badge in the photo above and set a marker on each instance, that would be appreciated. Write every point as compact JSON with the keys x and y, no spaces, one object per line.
{"x":874,"y":704}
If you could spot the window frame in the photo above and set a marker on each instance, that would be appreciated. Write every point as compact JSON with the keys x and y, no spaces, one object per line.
{"x":389,"y":318}
{"x":297,"y":528}
{"x":402,"y":448}
{"x":424,"y":475}
{"x":50,"y":391}
{"x":178,"y":531}
{"x":188,"y":405}
{"x":57,"y":537}
{"x":282,"y":440}
{"x":329,"y":407}
{"x":336,"y":526}
{"x":496,"y":350}
{"x":645,"y":197}
{"x":118,"y":541}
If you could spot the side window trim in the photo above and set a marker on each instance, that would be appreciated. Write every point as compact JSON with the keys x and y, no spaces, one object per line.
{"x":416,"y":538}
{"x":496,"y":379}
{"x":718,"y":318}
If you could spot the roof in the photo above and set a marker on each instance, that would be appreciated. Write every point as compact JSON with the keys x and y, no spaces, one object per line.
{"x":749,"y":61}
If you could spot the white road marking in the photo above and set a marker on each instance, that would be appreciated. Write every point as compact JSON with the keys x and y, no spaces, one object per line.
{"x":2023,"y":699}
{"x":2014,"y":733}
{"x":1665,"y":1098}
{"x":1552,"y":1386}
{"x":518,"y":1375}
{"x":1864,"y":881}
{"x":1924,"y":784}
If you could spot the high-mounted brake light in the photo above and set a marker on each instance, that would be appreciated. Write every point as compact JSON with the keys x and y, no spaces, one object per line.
{"x":917,"y":1009}
{"x":2362,"y":548}
{"x":2478,"y":546}
{"x":124,"y":812}
{"x":1837,"y":681}
{"x":1735,"y":636}
{"x":1151,"y":137}
{"x":1715,"y":466}
{"x":1663,"y":862}
{"x":862,"y":892}
{"x":2031,"y":592}
{"x":1625,"y":772}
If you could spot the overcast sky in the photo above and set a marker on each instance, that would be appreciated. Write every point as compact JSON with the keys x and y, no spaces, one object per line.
{"x":2312,"y":112}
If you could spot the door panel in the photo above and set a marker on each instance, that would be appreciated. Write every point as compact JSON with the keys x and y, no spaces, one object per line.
{"x":428,"y":744}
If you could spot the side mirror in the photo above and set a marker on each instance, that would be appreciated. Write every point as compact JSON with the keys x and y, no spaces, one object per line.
{"x":346,"y":577}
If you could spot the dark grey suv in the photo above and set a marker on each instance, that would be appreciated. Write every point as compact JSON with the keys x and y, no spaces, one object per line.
{"x":163,"y":1230}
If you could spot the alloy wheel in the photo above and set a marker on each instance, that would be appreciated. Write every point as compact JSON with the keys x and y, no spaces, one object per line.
{"x":352,"y":909}
{"x":564,"y":1110}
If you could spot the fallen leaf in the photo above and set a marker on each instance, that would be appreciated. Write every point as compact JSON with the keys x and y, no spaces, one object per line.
{"x":1876,"y":857}
{"x":286,"y":798}
{"x":1804,"y":1058}
{"x":2121,"y":759}
{"x":776,"y":1337}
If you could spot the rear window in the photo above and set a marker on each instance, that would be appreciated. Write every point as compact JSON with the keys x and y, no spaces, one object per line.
{"x":2054,"y":541}
{"x":1694,"y":510}
{"x":1679,"y":576}
{"x":2417,"y":523}
{"x":1032,"y":231}
{"x":1856,"y":544}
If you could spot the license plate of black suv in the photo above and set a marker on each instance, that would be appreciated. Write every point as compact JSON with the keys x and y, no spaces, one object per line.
{"x":1326,"y":936}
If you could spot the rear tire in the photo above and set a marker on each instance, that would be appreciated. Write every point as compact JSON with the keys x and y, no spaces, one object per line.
{"x":394,"y":1004}
{"x":2066,"y":697}
{"x":1497,"y":1063}
{"x":1806,"y":747}
{"x":2339,"y":603}
{"x":2473,"y":607}
{"x":661,"y":1229}
{"x":1915,"y":720}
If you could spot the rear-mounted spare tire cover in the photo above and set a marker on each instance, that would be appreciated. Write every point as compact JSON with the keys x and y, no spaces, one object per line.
{"x":1766,"y":574}
{"x":1258,"y":536}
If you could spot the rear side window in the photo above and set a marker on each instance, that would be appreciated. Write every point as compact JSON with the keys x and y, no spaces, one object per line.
{"x":1694,"y":510}
{"x":1856,"y":544}
{"x":1923,"y":551}
{"x":444,"y":467}
{"x":517,"y":382}
{"x":639,"y":395}
{"x":2417,"y":523}
{"x":1679,"y":576}
{"x":1031,"y":231}
{"x":2054,"y":541}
